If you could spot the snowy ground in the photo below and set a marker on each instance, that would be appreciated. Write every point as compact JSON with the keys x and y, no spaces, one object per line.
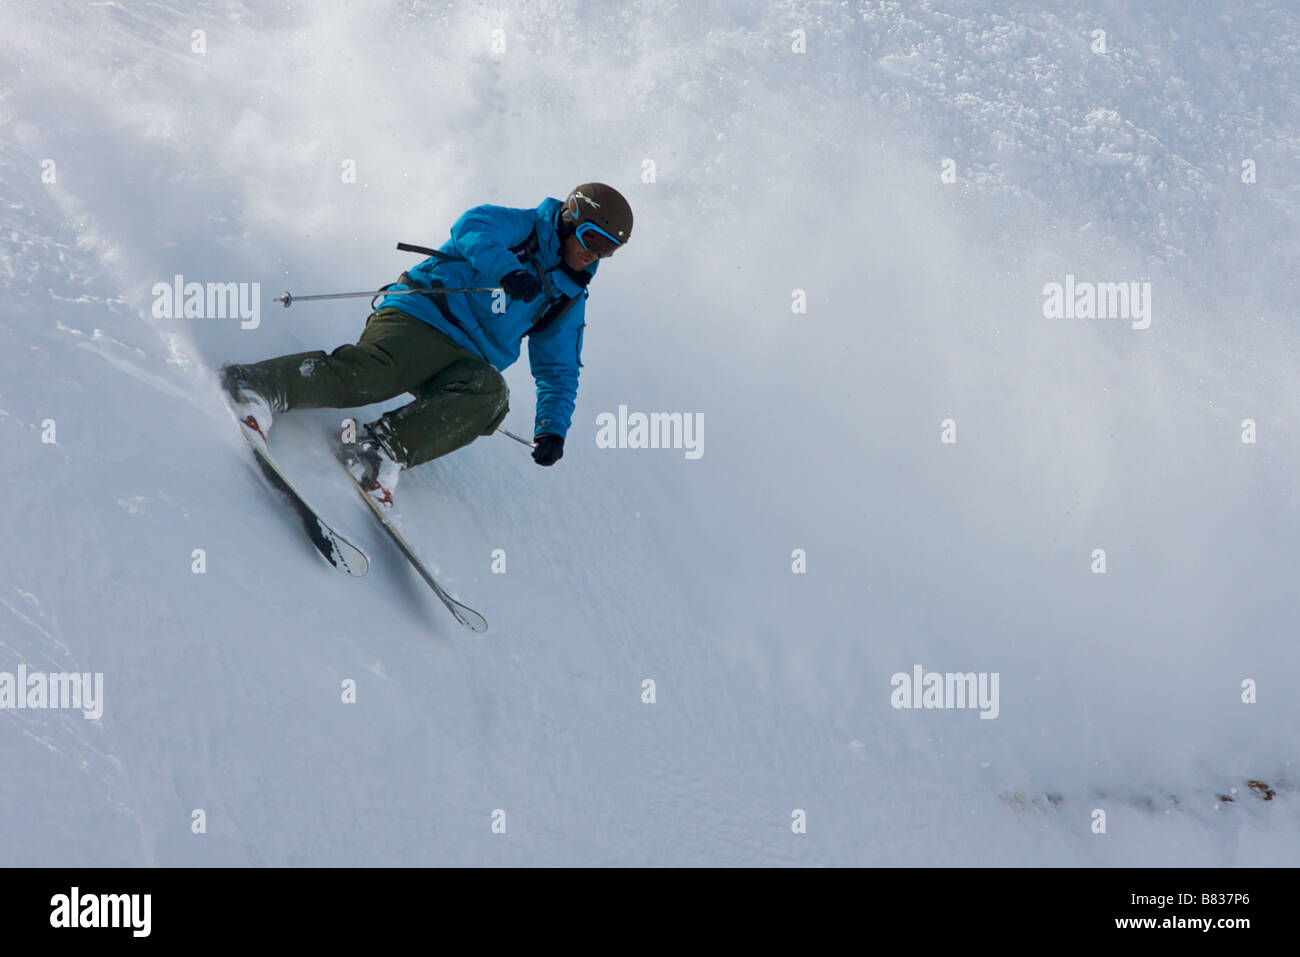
{"x":773,"y":171}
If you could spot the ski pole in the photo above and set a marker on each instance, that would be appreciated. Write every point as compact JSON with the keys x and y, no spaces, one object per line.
{"x":531,"y":445}
{"x":289,"y":299}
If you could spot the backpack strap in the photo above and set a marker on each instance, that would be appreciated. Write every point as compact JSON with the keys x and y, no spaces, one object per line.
{"x":525,"y":250}
{"x":564,"y":303}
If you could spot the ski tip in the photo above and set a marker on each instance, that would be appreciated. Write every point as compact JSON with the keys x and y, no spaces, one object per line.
{"x":471,"y":620}
{"x":355,"y":565}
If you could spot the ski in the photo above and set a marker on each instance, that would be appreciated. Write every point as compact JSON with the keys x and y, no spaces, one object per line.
{"x":463,"y":613}
{"x":333,"y":547}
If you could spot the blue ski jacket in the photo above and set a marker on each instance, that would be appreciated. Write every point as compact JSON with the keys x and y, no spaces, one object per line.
{"x":481,"y":243}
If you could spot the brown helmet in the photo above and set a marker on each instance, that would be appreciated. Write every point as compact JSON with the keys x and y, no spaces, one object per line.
{"x":595,"y":208}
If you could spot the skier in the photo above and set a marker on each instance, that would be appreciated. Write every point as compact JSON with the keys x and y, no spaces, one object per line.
{"x":448,"y":350}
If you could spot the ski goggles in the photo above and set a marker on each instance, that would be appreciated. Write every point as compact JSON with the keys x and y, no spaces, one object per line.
{"x":596,"y":240}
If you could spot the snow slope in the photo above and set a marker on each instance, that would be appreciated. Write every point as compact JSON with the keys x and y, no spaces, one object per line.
{"x":774,"y":171}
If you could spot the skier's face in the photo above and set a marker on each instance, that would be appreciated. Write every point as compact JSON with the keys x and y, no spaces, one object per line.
{"x":577,"y":257}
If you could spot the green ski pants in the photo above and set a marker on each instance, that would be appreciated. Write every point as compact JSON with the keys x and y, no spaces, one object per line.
{"x":458,"y":395}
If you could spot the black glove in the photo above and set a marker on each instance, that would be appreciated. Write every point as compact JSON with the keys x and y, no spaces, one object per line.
{"x":550,"y":449}
{"x":521,"y":285}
